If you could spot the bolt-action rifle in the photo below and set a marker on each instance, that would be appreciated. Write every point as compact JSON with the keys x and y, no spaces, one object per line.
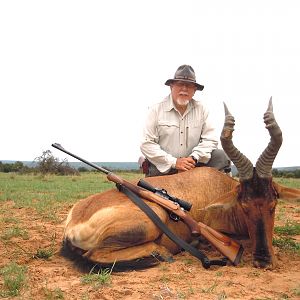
{"x":164,"y":194}
{"x":225,"y":245}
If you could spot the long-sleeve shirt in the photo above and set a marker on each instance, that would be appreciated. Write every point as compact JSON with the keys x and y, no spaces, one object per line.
{"x":168,"y":135}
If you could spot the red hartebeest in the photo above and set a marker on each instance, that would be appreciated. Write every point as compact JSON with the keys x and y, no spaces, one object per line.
{"x":108,"y":227}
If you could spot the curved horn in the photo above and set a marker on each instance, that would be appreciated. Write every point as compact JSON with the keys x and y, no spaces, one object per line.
{"x":242,"y":163}
{"x":265,"y":161}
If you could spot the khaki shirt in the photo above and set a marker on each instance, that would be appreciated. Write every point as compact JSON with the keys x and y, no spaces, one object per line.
{"x":168,"y":135}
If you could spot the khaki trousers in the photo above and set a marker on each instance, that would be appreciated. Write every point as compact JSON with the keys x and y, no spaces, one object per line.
{"x":219,"y":160}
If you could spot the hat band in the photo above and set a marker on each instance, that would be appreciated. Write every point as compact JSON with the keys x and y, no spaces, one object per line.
{"x":185,"y":78}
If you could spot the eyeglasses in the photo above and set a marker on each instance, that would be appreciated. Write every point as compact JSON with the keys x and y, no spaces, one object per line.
{"x":189,"y":85}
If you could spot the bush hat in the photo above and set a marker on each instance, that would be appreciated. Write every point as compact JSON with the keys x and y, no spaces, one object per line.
{"x":185,"y":73}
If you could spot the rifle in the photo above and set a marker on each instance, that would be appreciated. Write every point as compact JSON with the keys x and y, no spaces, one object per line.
{"x":225,"y":245}
{"x":164,"y":194}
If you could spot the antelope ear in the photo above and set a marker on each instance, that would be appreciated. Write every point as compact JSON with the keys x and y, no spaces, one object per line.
{"x":226,"y":202}
{"x":286,"y":193}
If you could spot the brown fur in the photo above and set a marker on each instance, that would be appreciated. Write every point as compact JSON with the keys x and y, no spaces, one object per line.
{"x":108,"y":227}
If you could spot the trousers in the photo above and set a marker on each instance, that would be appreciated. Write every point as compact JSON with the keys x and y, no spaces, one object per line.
{"x":219,"y":160}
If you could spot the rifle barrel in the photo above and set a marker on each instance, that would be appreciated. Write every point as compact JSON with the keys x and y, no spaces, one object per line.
{"x":61,"y":148}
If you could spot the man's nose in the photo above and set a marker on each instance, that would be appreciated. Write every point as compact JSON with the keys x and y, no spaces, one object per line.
{"x":185,"y":86}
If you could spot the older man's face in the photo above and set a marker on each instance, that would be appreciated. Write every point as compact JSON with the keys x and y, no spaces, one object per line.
{"x":182,"y":92}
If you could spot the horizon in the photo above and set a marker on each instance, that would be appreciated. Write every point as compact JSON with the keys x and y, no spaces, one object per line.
{"x":120,"y":162}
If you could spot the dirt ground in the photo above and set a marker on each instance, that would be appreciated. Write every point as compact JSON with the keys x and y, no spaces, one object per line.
{"x":185,"y":278}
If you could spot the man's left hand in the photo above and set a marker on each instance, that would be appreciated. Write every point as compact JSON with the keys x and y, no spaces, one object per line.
{"x":185,"y":163}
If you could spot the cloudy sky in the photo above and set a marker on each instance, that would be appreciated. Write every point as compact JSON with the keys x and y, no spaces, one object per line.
{"x":83,"y":73}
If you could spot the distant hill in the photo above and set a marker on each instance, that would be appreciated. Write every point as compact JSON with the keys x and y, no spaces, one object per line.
{"x":129,"y":166}
{"x":76,"y":165}
{"x":108,"y":165}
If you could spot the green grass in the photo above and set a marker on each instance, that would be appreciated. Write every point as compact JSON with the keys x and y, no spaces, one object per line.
{"x":102,"y":277}
{"x":290,"y":228}
{"x":9,"y":220}
{"x":296,"y":291}
{"x":289,"y":182}
{"x":46,"y":194}
{"x":14,"y":231}
{"x":26,"y":189}
{"x":44,"y":253}
{"x":284,"y":239}
{"x":14,"y":278}
{"x":286,"y":243}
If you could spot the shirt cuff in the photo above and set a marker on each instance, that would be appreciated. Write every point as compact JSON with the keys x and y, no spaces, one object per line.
{"x":203,"y":159}
{"x":174,"y":159}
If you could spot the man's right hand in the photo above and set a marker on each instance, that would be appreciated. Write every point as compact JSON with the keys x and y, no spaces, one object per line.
{"x":185,"y":163}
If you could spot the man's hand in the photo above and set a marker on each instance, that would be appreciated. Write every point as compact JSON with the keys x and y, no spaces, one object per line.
{"x":185,"y":163}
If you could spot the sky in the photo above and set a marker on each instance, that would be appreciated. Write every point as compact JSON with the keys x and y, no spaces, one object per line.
{"x":84,"y":73}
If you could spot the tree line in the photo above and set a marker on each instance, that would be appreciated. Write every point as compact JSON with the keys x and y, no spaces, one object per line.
{"x":44,"y":164}
{"x":48,"y":164}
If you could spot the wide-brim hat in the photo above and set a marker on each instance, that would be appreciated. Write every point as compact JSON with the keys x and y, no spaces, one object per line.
{"x":185,"y":73}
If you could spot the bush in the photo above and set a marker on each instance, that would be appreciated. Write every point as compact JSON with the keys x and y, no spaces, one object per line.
{"x":82,"y":169}
{"x":17,"y":166}
{"x":48,"y":164}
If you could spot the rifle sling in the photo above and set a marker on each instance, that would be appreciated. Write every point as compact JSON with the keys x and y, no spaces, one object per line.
{"x":206,"y":263}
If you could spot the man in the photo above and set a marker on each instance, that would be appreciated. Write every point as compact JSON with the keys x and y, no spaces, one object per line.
{"x":179,"y":134}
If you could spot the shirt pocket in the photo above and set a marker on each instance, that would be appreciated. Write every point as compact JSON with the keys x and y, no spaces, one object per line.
{"x":167,"y":128}
{"x":194,"y":135}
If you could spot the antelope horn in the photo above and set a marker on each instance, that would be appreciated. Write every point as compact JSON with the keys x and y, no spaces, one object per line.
{"x":265,"y":161}
{"x":242,"y":163}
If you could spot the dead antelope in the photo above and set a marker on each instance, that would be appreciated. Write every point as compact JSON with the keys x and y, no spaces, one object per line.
{"x":107,"y":227}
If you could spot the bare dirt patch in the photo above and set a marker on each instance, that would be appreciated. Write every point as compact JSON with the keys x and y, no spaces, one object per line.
{"x":185,"y":278}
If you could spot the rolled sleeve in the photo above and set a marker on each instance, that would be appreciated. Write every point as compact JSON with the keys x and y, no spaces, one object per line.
{"x":150,"y":144}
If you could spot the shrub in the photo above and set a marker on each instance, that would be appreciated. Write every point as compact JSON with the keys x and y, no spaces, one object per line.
{"x":48,"y":164}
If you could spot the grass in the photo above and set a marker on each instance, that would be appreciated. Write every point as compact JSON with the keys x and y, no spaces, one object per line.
{"x":210,"y":289}
{"x":296,"y":291}
{"x":44,"y":253}
{"x":287,"y":244}
{"x":290,"y":228}
{"x":284,"y":234}
{"x":289,"y":182}
{"x":284,"y":239}
{"x":15,"y":231}
{"x":46,"y":194}
{"x":164,"y":278}
{"x":101,"y":278}
{"x":222,"y":296}
{"x":14,"y":278}
{"x":188,"y":261}
{"x":9,"y":220}
{"x":54,"y":294}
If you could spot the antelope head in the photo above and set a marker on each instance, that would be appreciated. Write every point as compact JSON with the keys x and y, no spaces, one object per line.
{"x":257,"y":195}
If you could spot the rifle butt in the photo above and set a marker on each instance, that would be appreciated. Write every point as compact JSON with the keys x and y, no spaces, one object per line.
{"x":231,"y":249}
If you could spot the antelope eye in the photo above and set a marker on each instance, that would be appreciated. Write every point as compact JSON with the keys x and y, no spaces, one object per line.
{"x":273,"y":206}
